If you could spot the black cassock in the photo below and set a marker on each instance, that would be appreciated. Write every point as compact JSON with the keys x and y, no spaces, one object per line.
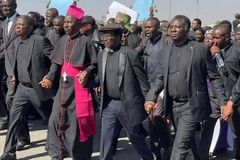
{"x":63,"y":130}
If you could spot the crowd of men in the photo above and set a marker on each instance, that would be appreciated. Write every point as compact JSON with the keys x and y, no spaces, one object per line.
{"x":66,"y":69}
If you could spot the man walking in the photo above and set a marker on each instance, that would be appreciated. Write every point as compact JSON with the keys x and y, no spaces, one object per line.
{"x":183,"y":72}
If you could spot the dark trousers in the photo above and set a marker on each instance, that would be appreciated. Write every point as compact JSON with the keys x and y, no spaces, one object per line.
{"x":23,"y":97}
{"x":3,"y":106}
{"x":206,"y":138}
{"x":11,"y":88}
{"x":113,"y":118}
{"x":160,"y":138}
{"x":185,"y":129}
{"x":23,"y":134}
{"x":234,"y":123}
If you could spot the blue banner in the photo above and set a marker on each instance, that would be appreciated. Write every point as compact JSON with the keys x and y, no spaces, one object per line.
{"x":143,"y":8}
{"x":60,"y":5}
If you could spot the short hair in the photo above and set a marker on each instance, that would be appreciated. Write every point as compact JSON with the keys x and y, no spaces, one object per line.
{"x":224,"y":28}
{"x":89,"y":20}
{"x":155,"y":21}
{"x":227,"y":23}
{"x":30,"y":21}
{"x":34,"y":16}
{"x":61,"y":18}
{"x":186,"y":21}
{"x":198,"y":21}
{"x":55,"y":11}
{"x":201,"y":30}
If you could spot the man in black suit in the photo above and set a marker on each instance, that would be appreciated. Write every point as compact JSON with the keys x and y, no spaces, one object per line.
{"x":31,"y":64}
{"x":183,"y":72}
{"x":230,"y":71}
{"x":123,"y":87}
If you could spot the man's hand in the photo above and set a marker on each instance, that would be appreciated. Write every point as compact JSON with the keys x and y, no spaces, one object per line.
{"x":46,"y":83}
{"x":227,"y":110}
{"x":13,"y":79}
{"x":214,"y":49}
{"x":97,"y":90}
{"x":149,"y":106}
{"x":82,"y":77}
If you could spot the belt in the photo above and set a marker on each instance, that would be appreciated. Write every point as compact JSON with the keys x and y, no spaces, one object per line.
{"x":29,"y":85}
{"x":180,"y":99}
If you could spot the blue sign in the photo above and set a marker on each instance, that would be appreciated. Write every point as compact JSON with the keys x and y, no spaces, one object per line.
{"x":143,"y":8}
{"x":61,"y":5}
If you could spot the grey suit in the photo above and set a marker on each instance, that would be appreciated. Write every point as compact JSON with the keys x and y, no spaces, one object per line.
{"x":38,"y":66}
{"x":8,"y":49}
{"x":197,"y":107}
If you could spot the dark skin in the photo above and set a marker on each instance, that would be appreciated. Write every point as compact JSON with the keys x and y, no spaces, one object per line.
{"x":85,"y":28}
{"x":58,"y":24}
{"x":195,"y":25}
{"x":111,"y":39}
{"x":1,"y":13}
{"x":177,"y":31}
{"x":9,"y":7}
{"x":199,"y":36}
{"x":22,"y":29}
{"x":220,"y":39}
{"x":71,"y":27}
{"x":50,"y":15}
{"x":208,"y":40}
{"x":151,"y":29}
{"x":179,"y":36}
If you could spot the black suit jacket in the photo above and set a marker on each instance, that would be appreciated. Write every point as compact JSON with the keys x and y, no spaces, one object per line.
{"x":132,"y":84}
{"x":7,"y":48}
{"x":38,"y":63}
{"x":201,"y":67}
{"x":231,"y":71}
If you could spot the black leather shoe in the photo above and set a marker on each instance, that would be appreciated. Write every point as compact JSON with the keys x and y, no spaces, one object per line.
{"x":21,"y":145}
{"x":8,"y":156}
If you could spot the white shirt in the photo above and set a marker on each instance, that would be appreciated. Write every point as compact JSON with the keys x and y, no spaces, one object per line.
{"x":11,"y":20}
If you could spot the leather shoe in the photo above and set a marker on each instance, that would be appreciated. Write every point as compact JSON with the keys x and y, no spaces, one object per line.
{"x":8,"y":156}
{"x":21,"y":145}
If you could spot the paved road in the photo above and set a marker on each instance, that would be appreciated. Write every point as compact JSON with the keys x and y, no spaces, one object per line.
{"x":38,"y":138}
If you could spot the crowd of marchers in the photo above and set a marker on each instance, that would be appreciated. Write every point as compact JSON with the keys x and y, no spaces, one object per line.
{"x":178,"y":76}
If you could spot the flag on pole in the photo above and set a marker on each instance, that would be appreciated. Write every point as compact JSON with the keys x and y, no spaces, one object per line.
{"x":143,"y":8}
{"x":60,"y":5}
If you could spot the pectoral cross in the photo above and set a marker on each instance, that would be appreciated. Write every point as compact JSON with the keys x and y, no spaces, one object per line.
{"x":64,"y":77}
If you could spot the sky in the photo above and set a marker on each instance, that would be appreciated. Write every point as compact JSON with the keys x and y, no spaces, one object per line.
{"x":209,"y":11}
